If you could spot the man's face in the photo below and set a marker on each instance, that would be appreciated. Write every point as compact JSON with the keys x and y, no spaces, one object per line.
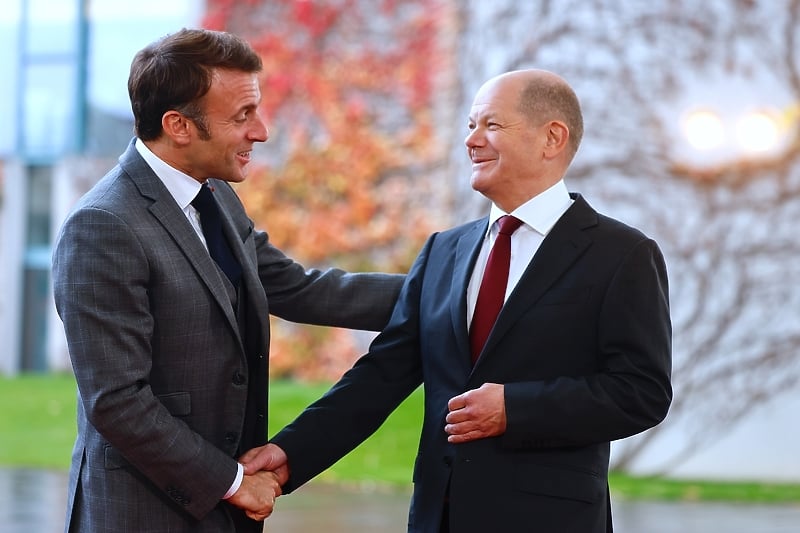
{"x":233,"y":126}
{"x":505,"y":148}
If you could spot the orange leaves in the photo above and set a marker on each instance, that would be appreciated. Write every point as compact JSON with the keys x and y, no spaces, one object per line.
{"x":348,"y":89}
{"x":312,"y":353}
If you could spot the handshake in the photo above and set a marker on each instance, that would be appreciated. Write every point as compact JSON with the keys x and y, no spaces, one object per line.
{"x":265,"y":470}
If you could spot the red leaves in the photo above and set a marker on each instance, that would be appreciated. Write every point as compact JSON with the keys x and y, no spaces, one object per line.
{"x":348,"y":89}
{"x":317,"y":17}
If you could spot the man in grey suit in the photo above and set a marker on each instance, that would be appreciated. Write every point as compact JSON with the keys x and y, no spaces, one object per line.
{"x":169,"y":345}
{"x":518,"y":422}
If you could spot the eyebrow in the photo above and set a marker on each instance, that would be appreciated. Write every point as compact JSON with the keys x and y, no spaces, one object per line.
{"x":491,"y":115}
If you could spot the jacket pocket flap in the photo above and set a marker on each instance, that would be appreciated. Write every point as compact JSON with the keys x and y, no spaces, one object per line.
{"x":561,"y":482}
{"x":177,"y":403}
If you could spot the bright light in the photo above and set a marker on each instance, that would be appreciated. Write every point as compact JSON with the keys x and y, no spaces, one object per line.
{"x":704,"y":129}
{"x":759,"y":132}
{"x":728,"y":119}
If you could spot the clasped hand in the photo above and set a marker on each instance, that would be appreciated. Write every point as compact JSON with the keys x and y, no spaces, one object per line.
{"x":257,"y":494}
{"x":265,"y":470}
{"x":476,"y":414}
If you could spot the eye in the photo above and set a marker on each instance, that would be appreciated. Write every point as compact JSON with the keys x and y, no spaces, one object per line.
{"x":244,"y":115}
{"x":492,"y":125}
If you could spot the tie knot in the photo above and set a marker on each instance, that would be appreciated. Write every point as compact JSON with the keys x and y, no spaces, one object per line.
{"x":509,"y":224}
{"x":204,"y":200}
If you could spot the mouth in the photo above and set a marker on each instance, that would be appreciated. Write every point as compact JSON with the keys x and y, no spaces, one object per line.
{"x":478,"y":159}
{"x":244,"y":156}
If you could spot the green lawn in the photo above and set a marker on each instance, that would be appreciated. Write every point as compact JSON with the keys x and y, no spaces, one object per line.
{"x":37,"y":420}
{"x":387,"y":457}
{"x":37,"y":429}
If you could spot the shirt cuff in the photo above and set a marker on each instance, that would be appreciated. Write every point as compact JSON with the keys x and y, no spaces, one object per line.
{"x":236,"y":482}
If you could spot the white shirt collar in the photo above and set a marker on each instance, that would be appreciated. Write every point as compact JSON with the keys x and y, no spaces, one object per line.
{"x":181,"y":186}
{"x":540,"y":212}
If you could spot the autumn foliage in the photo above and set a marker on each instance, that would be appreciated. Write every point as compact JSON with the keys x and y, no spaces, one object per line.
{"x":347,"y":178}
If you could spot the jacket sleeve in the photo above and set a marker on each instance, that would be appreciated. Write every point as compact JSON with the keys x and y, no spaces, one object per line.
{"x":331,"y":297}
{"x":366,"y":395}
{"x":630,"y":390}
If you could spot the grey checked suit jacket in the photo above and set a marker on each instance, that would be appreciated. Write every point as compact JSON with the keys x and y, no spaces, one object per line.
{"x":163,"y":372}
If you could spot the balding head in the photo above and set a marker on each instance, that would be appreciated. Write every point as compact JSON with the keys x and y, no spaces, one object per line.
{"x":525,"y":127}
{"x":543,"y":96}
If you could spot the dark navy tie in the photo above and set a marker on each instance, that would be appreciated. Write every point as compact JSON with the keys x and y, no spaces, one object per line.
{"x":217,"y":244}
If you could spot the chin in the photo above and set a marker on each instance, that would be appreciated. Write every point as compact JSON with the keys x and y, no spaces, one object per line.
{"x":478,"y":184}
{"x":237,"y":178}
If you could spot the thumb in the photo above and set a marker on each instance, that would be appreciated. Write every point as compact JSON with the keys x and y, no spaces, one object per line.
{"x":247,"y":459}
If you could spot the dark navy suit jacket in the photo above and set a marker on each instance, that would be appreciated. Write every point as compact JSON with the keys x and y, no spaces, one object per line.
{"x":583,"y":346}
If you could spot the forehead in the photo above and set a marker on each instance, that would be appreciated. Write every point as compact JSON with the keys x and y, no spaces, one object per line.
{"x":233,"y":89}
{"x":499,"y":96}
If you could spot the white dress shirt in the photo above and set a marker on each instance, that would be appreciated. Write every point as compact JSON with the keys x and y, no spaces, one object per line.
{"x":539,"y":215}
{"x":183,"y":189}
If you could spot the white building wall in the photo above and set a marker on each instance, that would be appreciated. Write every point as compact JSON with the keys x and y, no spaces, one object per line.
{"x":12,"y":245}
{"x":762,"y":446}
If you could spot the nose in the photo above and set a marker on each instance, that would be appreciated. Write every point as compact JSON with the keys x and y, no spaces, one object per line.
{"x":259,"y":131}
{"x":473,"y":139}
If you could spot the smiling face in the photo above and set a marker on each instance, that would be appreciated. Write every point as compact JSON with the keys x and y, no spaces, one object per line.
{"x":514,"y":156}
{"x":222,"y":145}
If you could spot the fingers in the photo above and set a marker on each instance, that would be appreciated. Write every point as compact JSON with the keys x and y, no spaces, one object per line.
{"x":276,"y":489}
{"x":266,"y":510}
{"x":261,"y":487}
{"x":267,"y":457}
{"x":460,"y":415}
{"x":257,"y":494}
{"x":465,"y":437}
{"x":250,"y":455}
{"x":458,"y":402}
{"x":463,"y":428}
{"x":282,"y":474}
{"x":476,"y":414}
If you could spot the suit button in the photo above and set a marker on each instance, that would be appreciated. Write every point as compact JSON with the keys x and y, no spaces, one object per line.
{"x":178,"y":496}
{"x":448,"y":461}
{"x":238,"y":378}
{"x":230,"y":438}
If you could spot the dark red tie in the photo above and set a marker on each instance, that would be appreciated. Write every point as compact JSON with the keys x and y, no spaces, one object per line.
{"x":493,"y":286}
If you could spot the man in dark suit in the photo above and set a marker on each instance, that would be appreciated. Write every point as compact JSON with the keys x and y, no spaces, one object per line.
{"x":164,"y":287}
{"x":579,"y":355}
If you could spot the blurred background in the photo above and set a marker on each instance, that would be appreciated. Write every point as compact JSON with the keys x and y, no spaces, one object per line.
{"x":691,"y":112}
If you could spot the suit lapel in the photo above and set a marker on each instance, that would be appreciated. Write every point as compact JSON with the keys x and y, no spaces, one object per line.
{"x":565,"y":243}
{"x":166,"y":211}
{"x":467,"y":250}
{"x":250,"y":278}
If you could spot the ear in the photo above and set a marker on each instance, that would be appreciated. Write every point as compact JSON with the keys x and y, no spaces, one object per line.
{"x":557,"y":138}
{"x":177,"y":127}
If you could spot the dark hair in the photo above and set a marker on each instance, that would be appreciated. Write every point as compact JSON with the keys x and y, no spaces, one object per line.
{"x":175,"y":72}
{"x":546,"y":98}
